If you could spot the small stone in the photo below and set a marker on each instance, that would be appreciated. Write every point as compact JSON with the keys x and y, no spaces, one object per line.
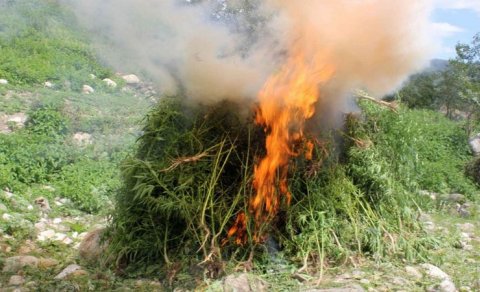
{"x":30,"y":207}
{"x":48,"y":84}
{"x":46,"y":263}
{"x":413,"y":272}
{"x":75,"y":234}
{"x":131,"y":79}
{"x":3,"y":81}
{"x":67,"y":271}
{"x":59,"y":236}
{"x":365,"y":281}
{"x":45,"y":235}
{"x":57,"y":220}
{"x":81,"y":139}
{"x":40,"y":226}
{"x":26,"y":248}
{"x":243,"y":283}
{"x":447,"y":286}
{"x":110,"y":82}
{"x":87,"y":89}
{"x":67,"y":241}
{"x":357,"y":274}
{"x":6,"y":217}
{"x":16,"y":280}
{"x":16,"y":263}
{"x":92,"y":76}
{"x":465,"y":289}
{"x":5,"y":248}
{"x":435,"y":272}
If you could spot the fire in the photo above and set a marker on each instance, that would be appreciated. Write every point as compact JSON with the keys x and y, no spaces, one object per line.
{"x":286,"y":101}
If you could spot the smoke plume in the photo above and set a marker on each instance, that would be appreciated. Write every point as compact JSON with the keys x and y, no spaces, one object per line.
{"x":213,"y":50}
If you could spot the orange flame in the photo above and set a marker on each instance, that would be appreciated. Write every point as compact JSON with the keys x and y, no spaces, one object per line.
{"x":286,"y":101}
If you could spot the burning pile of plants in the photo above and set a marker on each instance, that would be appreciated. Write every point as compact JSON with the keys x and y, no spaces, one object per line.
{"x":210,"y":182}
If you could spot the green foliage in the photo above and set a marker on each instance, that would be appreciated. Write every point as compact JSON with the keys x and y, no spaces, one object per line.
{"x":39,"y":42}
{"x":88,"y":183}
{"x":423,"y":149}
{"x":47,"y":121}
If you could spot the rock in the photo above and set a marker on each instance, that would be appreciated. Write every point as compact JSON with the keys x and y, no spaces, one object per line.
{"x":46,"y":235}
{"x":353,"y":288}
{"x":447,"y":286}
{"x":3,"y":81}
{"x":243,"y":283}
{"x":413,"y":272}
{"x":456,"y":198}
{"x":474,"y":143}
{"x":42,"y":203}
{"x":48,"y":84}
{"x":87,"y":89}
{"x":466,"y":227}
{"x":27,"y":247}
{"x":16,"y":280}
{"x":67,"y":241}
{"x":19,"y":119}
{"x":81,"y":139}
{"x":40,"y":226}
{"x":16,"y":263}
{"x":131,"y":79}
{"x":463,"y":210}
{"x":59,"y":236}
{"x":29,"y":207}
{"x":365,"y":281}
{"x":465,"y":289}
{"x":110,"y":82}
{"x":46,"y":263}
{"x":5,"y":248}
{"x":67,"y":271}
{"x":92,"y":246}
{"x":435,"y":272}
{"x":57,"y":220}
{"x":92,"y":76}
{"x":7,"y":217}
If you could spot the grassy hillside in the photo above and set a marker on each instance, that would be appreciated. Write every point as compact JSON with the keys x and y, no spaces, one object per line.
{"x":392,"y":196}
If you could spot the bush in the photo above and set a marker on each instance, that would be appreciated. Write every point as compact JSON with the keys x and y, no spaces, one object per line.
{"x":88,"y":183}
{"x":47,"y":121}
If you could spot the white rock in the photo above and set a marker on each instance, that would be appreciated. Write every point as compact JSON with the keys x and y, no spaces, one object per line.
{"x":435,"y":272}
{"x":16,"y":280}
{"x":92,"y":76}
{"x":81,"y":139}
{"x":67,"y":271}
{"x":6,"y":217}
{"x":60,"y":236}
{"x":30,"y":207}
{"x":57,"y":220}
{"x":19,"y":119}
{"x":58,"y":203}
{"x":131,"y":79}
{"x":110,"y":82}
{"x":447,"y":286}
{"x":8,"y":194}
{"x":474,"y":143}
{"x":75,"y":234}
{"x":45,"y":235}
{"x":87,"y":89}
{"x":3,"y":81}
{"x":67,"y":241}
{"x":64,"y":200}
{"x":413,"y":272}
{"x":48,"y":84}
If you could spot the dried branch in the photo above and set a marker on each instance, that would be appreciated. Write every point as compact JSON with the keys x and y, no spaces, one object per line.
{"x":393,"y":106}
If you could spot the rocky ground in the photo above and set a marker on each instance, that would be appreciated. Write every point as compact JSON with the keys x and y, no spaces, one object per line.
{"x":47,"y":258}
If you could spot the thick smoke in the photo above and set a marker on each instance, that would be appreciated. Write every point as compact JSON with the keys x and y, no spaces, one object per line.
{"x":213,"y":50}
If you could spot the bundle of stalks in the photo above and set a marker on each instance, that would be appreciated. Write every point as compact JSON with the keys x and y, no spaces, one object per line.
{"x":191,"y":176}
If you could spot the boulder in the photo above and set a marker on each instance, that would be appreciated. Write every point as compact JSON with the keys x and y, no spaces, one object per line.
{"x":92,"y":245}
{"x":131,"y":79}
